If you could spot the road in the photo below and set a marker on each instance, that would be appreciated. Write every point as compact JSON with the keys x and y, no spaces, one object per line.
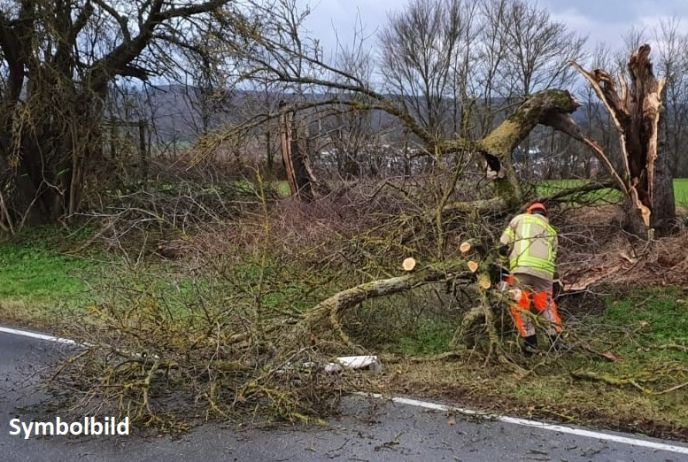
{"x":368,"y":430}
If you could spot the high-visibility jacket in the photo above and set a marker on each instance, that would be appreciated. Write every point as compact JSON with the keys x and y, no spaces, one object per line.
{"x":533,"y":246}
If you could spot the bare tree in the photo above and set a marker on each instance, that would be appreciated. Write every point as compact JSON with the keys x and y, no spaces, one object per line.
{"x":490,"y":83}
{"x":539,"y":48}
{"x":672,"y":50}
{"x":58,"y":58}
{"x":425,"y":59}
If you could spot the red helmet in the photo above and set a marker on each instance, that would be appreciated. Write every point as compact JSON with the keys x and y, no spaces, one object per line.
{"x":536,"y":206}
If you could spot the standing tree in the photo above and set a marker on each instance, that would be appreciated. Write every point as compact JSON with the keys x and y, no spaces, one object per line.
{"x":57,"y":60}
{"x":425,"y":60}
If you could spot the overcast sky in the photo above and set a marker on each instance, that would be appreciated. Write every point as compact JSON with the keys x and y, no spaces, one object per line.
{"x":600,"y":20}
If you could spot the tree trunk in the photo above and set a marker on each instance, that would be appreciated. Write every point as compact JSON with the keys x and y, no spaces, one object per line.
{"x":497,"y":147}
{"x":295,"y":158}
{"x":636,"y":112}
{"x":46,"y":155}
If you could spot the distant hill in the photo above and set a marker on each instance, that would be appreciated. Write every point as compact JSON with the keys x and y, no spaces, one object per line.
{"x":180,"y":113}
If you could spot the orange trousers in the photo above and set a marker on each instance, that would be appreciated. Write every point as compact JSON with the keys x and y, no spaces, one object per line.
{"x":536,"y":296}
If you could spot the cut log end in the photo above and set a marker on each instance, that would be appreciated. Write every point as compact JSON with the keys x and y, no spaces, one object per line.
{"x":484,"y":282}
{"x":409,"y":264}
{"x":465,"y":247}
{"x":473,"y":266}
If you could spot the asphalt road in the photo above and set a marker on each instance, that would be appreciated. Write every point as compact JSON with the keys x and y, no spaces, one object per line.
{"x":368,"y":430}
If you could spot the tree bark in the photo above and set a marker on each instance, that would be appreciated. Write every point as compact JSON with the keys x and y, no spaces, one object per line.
{"x":636,"y":111}
{"x":295,"y":158}
{"x":326,"y":315}
{"x":498,"y":146}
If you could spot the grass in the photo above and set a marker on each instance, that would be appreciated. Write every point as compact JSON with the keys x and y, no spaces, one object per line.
{"x":549,"y":187}
{"x":681,"y":191}
{"x":43,"y":274}
{"x":41,"y":279}
{"x":430,"y":337}
{"x":647,"y":329}
{"x":38,"y":277}
{"x":281,"y":188}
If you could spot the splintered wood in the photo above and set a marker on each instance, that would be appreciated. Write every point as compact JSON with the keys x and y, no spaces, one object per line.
{"x":409,"y":264}
{"x":635,"y":108}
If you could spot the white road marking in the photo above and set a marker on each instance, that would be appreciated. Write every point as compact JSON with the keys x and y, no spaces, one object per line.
{"x":26,"y":333}
{"x":445,"y":408}
{"x":536,"y":424}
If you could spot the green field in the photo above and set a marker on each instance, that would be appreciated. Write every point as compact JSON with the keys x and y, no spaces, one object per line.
{"x":550,"y":187}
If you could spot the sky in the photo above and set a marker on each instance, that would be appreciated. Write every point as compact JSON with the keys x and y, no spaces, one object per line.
{"x":602,"y":21}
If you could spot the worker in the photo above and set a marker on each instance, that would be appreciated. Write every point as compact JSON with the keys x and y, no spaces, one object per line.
{"x":531,"y":245}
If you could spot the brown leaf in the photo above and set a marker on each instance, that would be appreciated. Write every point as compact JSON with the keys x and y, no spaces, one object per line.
{"x":612,"y":357}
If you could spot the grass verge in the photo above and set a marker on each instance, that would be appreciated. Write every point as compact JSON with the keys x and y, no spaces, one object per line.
{"x":40,"y":278}
{"x":646,"y":390}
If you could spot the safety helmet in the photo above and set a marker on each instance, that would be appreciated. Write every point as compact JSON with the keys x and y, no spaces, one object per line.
{"x":535,"y":207}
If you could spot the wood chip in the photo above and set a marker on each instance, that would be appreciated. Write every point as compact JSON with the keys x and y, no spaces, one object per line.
{"x":408,"y":264}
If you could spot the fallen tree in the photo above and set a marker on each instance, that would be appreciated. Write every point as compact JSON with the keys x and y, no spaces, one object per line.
{"x":644,"y":180}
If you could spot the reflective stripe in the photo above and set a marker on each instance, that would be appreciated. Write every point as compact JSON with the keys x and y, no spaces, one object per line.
{"x":522,"y":243}
{"x":537,"y":263}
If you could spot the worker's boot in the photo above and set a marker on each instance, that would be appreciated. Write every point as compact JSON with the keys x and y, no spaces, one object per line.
{"x":530,"y":345}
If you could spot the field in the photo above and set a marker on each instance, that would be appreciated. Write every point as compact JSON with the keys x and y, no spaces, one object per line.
{"x":607,"y":195}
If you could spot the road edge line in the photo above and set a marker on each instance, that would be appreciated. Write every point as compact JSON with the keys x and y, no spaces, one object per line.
{"x":36,"y":335}
{"x":445,"y":408}
{"x":533,"y":423}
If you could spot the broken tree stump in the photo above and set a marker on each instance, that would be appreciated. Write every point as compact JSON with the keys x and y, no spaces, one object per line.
{"x":636,"y":109}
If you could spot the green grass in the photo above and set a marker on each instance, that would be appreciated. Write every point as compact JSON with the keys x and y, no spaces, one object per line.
{"x":429,"y":338}
{"x":647,"y":331}
{"x":549,"y":187}
{"x":38,"y":277}
{"x":281,"y":188}
{"x":681,"y":191}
